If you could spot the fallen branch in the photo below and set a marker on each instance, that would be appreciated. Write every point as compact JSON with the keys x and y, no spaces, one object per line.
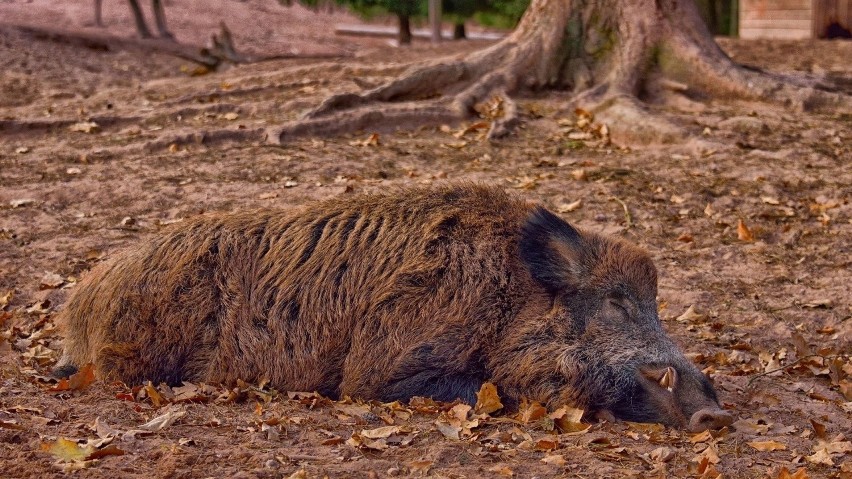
{"x":627,"y":218}
{"x":222,"y":49}
{"x":766,"y":373}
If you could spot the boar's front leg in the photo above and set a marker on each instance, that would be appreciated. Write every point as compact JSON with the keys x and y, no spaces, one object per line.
{"x":435,"y":371}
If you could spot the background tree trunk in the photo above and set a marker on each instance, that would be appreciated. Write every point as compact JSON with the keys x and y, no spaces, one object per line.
{"x":612,"y":55}
{"x":160,"y":19}
{"x":459,"y":32}
{"x":139,"y":18}
{"x":99,"y":19}
{"x":404,"y":30}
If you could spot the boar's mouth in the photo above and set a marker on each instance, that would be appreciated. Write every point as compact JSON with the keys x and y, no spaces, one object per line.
{"x":682,"y":398}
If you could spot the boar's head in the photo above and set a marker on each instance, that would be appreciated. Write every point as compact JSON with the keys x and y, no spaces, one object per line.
{"x":617,"y":359}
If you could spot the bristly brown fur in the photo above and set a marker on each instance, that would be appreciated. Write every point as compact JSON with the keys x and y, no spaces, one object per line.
{"x":424,"y":292}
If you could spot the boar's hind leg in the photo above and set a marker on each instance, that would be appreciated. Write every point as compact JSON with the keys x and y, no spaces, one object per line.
{"x":433,"y":374}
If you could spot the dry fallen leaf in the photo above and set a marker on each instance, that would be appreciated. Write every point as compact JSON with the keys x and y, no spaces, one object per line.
{"x":5,"y":299}
{"x":767,"y":446}
{"x":821,"y":456}
{"x":421,"y":467}
{"x":568,"y":420}
{"x":77,"y":381}
{"x":743,"y":233}
{"x":751,"y":426}
{"x":690,"y":315}
{"x":103,"y":430}
{"x":110,"y":450}
{"x":546,"y":444}
{"x":383,"y":432}
{"x":502,"y":470}
{"x":487,"y":399}
{"x":701,"y":437}
{"x":372,"y":140}
{"x":21,"y":202}
{"x":448,"y":430}
{"x":84,"y":127}
{"x":819,"y":429}
{"x":163,"y":421}
{"x":11,"y":425}
{"x":710,"y":454}
{"x":67,"y":450}
{"x":480,"y":125}
{"x":662,"y":454}
{"x":801,"y":473}
{"x":555,"y":459}
{"x":530,"y":411}
{"x":569,"y":207}
{"x":154,"y":395}
{"x":51,"y":281}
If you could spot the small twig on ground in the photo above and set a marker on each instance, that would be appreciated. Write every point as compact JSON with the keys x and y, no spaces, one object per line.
{"x":628,"y":219}
{"x":302,"y":457}
{"x":766,"y":373}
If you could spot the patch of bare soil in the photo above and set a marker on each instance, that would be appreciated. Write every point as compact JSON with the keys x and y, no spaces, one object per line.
{"x":750,"y":225}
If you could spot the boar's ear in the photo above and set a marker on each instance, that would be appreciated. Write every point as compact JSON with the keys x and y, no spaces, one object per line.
{"x":550,"y":248}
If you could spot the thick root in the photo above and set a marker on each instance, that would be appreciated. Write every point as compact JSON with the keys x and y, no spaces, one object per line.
{"x":711,"y":69}
{"x":370,"y":117}
{"x":417,"y":83}
{"x":631,"y":122}
{"x":415,"y":99}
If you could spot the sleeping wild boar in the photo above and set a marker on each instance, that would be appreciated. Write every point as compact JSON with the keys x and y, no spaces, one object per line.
{"x":423,"y":292}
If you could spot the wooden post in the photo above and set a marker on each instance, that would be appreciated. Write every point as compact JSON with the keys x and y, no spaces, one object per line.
{"x":435,"y":19}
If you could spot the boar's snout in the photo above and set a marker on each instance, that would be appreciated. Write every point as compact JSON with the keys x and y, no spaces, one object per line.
{"x":679,"y":395}
{"x":709,"y":418}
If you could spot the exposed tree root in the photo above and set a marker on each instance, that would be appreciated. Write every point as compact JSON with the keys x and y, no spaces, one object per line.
{"x":207,"y":138}
{"x":609,"y":53}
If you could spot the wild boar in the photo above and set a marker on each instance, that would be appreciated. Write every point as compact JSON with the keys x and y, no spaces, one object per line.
{"x":422,"y":292}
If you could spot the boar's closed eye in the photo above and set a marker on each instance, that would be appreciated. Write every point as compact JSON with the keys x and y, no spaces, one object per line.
{"x":621,"y":307}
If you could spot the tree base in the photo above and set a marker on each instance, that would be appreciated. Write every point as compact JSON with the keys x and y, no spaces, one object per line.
{"x":608,"y":53}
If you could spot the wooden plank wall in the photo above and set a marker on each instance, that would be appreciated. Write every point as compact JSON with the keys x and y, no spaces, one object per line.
{"x":787,"y":19}
{"x":828,"y":11}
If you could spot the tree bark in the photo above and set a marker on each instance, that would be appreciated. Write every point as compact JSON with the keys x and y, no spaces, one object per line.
{"x":605,"y":52}
{"x":404,"y":30}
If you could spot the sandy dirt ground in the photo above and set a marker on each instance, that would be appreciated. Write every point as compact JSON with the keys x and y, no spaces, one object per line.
{"x":751,"y":228}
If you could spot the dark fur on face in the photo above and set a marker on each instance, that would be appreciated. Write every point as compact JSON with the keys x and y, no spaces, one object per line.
{"x":422,"y":292}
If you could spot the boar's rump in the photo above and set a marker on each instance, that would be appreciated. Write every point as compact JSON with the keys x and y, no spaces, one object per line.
{"x":420,"y":292}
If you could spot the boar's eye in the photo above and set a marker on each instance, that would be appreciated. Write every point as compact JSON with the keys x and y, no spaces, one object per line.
{"x":621,"y":303}
{"x":621,"y":308}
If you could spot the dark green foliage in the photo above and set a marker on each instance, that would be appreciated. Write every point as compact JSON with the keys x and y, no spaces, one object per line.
{"x":719,"y":15}
{"x":494,"y":13}
{"x":502,"y":13}
{"x":369,"y":8}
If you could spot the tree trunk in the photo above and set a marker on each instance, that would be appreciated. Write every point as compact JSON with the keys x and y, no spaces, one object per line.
{"x":160,"y":19}
{"x":139,"y":18}
{"x":605,"y":52}
{"x":404,"y":30}
{"x":459,"y":32}
{"x":99,"y":19}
